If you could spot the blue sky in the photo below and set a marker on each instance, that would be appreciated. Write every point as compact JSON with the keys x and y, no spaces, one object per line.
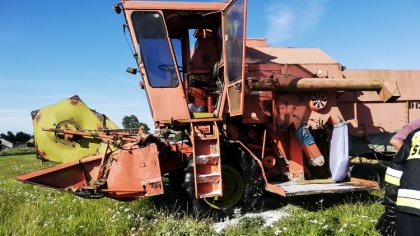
{"x":49,"y":52}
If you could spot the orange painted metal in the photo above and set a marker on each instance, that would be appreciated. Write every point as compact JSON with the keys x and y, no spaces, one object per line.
{"x":235,"y":87}
{"x":365,"y":182}
{"x":312,"y":152}
{"x":258,"y":111}
{"x":68,"y":176}
{"x":130,"y":174}
{"x":296,"y":167}
{"x":279,"y":140}
{"x":371,"y":113}
{"x":315,"y":84}
{"x":161,"y":106}
{"x":258,"y":107}
{"x":93,"y":173}
{"x":104,"y":136}
{"x":275,"y":94}
{"x":187,"y":6}
{"x":206,"y":160}
{"x":387,"y":89}
{"x":268,"y":186}
{"x":135,"y":173}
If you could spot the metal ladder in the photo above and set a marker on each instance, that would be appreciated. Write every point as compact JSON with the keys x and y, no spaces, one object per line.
{"x":207,"y":163}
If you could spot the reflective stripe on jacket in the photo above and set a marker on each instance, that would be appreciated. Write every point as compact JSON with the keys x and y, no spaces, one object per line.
{"x":393,"y":176}
{"x":408,"y":198}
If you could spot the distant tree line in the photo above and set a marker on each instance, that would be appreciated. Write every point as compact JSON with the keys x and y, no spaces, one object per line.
{"x":131,"y":122}
{"x":19,"y":137}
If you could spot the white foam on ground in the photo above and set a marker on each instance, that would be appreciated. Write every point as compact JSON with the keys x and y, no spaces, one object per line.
{"x":269,"y":218}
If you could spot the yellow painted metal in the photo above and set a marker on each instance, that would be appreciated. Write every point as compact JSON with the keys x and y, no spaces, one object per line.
{"x":70,"y":114}
{"x":200,"y":115}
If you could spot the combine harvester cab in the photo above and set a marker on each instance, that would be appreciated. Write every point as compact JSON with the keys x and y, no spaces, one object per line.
{"x":249,"y":117}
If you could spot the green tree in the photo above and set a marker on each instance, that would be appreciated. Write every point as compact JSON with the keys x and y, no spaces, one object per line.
{"x":19,"y":137}
{"x":146,"y":127}
{"x":9,"y":136}
{"x":131,"y":122}
{"x":22,"y":137}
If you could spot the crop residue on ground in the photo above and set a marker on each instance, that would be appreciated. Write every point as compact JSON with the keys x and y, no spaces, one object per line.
{"x":269,"y":217}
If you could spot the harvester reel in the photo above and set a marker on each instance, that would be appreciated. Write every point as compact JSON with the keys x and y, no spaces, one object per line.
{"x":70,"y":114}
{"x":318,"y":101}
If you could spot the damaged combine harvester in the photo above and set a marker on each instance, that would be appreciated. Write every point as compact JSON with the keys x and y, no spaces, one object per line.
{"x":249,"y":117}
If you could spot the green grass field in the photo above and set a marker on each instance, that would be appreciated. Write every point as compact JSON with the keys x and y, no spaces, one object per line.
{"x":33,"y":210}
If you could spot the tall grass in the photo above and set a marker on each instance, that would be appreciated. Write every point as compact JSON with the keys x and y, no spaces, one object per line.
{"x":342,"y":214}
{"x":17,"y":151}
{"x":33,"y":210}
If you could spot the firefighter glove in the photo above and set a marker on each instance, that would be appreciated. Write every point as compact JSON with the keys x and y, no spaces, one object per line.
{"x":387,"y":222}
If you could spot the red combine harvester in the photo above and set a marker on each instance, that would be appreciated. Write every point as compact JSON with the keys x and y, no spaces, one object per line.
{"x":247,"y":117}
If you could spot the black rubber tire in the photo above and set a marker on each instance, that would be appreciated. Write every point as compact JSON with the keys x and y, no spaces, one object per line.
{"x":252,"y":180}
{"x":176,"y":180}
{"x":368,"y":171}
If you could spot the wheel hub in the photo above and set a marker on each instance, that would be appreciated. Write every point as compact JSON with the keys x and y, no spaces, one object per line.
{"x":233,"y":189}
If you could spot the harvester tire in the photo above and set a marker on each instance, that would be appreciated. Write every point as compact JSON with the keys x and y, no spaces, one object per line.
{"x":368,"y":171}
{"x":176,"y":180}
{"x":241,"y":169}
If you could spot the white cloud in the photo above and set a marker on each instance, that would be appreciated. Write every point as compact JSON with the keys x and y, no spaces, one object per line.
{"x":286,"y":19}
{"x":280,"y":23}
{"x":312,"y":14}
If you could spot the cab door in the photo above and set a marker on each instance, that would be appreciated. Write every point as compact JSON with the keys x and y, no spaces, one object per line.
{"x":158,"y":66}
{"x":234,"y":40}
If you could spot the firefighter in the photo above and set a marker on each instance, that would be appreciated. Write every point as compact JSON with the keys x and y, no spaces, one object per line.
{"x":398,"y":139}
{"x":402,"y":190}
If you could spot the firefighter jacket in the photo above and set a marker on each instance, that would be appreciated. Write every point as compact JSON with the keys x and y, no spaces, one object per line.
{"x":393,"y":175}
{"x":401,"y":175}
{"x":403,"y":187}
{"x":408,"y":196}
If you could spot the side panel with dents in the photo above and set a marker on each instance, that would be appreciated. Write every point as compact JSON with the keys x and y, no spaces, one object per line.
{"x":135,"y":173}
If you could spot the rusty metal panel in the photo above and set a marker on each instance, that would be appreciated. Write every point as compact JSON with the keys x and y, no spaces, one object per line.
{"x":407,"y":82}
{"x":375,"y":117}
{"x":325,"y":70}
{"x":258,"y":107}
{"x":256,"y":42}
{"x":292,"y":55}
{"x":67,"y":176}
{"x":235,"y":106}
{"x":413,"y":108}
{"x":311,"y":59}
{"x":292,"y":109}
{"x":313,"y":84}
{"x":135,"y":173}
